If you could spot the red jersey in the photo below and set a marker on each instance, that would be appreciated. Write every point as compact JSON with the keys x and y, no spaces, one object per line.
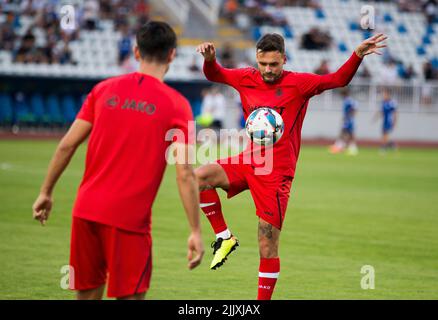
{"x":289,"y":96}
{"x":125,"y":162}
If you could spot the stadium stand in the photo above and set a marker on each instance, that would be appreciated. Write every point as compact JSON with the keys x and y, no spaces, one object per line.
{"x":34,"y":43}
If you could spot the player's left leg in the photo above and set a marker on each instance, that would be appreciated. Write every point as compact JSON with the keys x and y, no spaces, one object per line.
{"x":129,"y":263}
{"x":269,"y":268}
{"x":271,"y":195}
{"x":227,"y":177}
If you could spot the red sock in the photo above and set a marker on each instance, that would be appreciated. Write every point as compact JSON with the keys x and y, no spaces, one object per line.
{"x":269,"y":271}
{"x":211,"y":205}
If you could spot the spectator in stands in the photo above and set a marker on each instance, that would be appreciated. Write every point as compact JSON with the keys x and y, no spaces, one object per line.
{"x":125,"y":44}
{"x":364,"y":72}
{"x":316,"y":39}
{"x":194,"y":68}
{"x":91,"y":14}
{"x":323,"y":68}
{"x":227,"y":56}
{"x":430,"y":73}
{"x":7,"y":32}
{"x":106,"y":11}
{"x":258,"y":14}
{"x":430,"y":9}
{"x":230,"y":9}
{"x":278,"y":16}
{"x":27,"y":51}
{"x":408,"y":73}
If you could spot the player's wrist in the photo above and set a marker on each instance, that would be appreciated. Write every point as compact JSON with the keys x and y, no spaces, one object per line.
{"x":210,"y":59}
{"x":46,"y":192}
{"x":196,"y":230}
{"x":358,"y":53}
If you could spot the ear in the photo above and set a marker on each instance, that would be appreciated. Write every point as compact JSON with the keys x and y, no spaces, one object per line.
{"x":285,"y":59}
{"x":137,"y":53}
{"x":172,"y":55}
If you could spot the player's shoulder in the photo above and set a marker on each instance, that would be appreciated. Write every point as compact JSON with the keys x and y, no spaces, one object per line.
{"x":109,"y":82}
{"x":180,"y":104}
{"x":247,"y":71}
{"x":293,"y":77}
{"x":174,"y":94}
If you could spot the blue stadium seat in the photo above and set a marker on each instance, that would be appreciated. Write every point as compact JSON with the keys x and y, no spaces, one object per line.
{"x":367,"y":34}
{"x":23,"y":115}
{"x":421,"y":51}
{"x":6,"y":109}
{"x":342,"y":47}
{"x":288,"y":32}
{"x":54,"y":109}
{"x":69,"y":108}
{"x":256,"y":33}
{"x":402,"y":28}
{"x":401,"y":70}
{"x":387,"y":17}
{"x":426,"y":40}
{"x":37,"y":108}
{"x":319,"y":13}
{"x":434,"y":62}
{"x":354,"y":26}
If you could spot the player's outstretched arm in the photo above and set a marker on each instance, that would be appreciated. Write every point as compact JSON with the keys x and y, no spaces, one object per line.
{"x":77,"y":133}
{"x":315,"y":84}
{"x":189,"y":193}
{"x":214,"y":71}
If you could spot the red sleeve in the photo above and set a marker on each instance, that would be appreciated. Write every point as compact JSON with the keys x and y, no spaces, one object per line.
{"x":183,"y":122}
{"x":87,"y":110}
{"x":313,"y":84}
{"x":215,"y":72}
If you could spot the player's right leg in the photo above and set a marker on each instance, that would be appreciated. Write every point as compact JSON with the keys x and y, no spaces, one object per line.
{"x":87,"y":260}
{"x":210,"y":177}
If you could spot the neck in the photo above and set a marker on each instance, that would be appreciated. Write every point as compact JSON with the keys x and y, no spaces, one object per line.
{"x":153,"y":69}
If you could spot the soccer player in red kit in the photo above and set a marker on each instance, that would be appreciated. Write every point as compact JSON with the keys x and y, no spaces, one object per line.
{"x":288,"y":93}
{"x":128,"y":119}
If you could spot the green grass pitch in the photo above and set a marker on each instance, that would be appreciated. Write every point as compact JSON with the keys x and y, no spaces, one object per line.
{"x":344,"y":213}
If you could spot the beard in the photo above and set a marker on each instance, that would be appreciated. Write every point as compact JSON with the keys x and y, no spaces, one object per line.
{"x":270,"y":77}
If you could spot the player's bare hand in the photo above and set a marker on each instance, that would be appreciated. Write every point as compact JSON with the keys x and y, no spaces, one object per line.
{"x":371,"y":45}
{"x":195,"y":250}
{"x":207,"y":50}
{"x":42,"y":207}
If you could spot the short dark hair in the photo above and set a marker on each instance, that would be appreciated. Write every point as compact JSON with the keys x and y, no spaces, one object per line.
{"x":155,"y":40}
{"x":271,"y":42}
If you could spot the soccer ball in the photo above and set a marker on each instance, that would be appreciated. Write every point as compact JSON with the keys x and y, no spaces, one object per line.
{"x":264,"y":126}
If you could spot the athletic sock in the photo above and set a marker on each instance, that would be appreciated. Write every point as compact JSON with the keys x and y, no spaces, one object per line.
{"x":211,"y":206}
{"x":269,"y":270}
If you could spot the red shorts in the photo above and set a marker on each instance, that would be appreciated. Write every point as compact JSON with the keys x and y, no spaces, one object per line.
{"x":270,"y":192}
{"x":98,"y":250}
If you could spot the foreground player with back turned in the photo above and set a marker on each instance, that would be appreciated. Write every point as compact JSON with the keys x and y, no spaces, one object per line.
{"x":288,"y":93}
{"x":128,"y":119}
